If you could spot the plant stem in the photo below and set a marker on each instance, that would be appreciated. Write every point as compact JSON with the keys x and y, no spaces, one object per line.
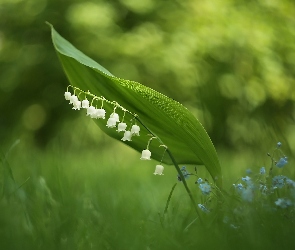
{"x":175,"y":165}
{"x":184,"y":182}
{"x":169,"y":198}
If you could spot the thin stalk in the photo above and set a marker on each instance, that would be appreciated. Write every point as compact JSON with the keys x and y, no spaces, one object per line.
{"x":184,"y":182}
{"x":176,"y":167}
{"x":169,"y":198}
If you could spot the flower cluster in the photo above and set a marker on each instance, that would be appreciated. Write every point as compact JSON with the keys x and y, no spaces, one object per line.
{"x":283,"y":203}
{"x":100,"y":113}
{"x":282,"y":162}
{"x":248,"y":188}
{"x":264,"y":189}
{"x":113,"y":121}
{"x":279,"y":181}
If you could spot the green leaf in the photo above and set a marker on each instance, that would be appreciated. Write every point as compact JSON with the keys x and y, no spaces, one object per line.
{"x":178,"y":129}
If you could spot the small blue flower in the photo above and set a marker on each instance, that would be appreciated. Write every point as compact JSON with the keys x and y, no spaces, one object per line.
{"x":247,"y":194}
{"x":279,"y":144}
{"x":199,"y":181}
{"x":248,"y":171}
{"x":282,"y":162}
{"x":262,"y":170}
{"x":184,"y":172}
{"x":247,"y":178}
{"x":290,"y":183}
{"x":283,"y":203}
{"x":263,"y":189}
{"x":205,"y":188}
{"x":239,"y":186}
{"x":247,"y":191}
{"x":203,"y":208}
{"x":278,"y":181}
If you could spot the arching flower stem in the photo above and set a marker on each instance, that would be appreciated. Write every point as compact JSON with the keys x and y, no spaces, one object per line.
{"x":150,"y":140}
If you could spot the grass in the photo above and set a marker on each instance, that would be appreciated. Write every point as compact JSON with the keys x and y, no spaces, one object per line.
{"x":77,"y":197}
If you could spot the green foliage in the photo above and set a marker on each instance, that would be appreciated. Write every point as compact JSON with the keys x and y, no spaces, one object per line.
{"x":231,"y":62}
{"x":176,"y":127}
{"x":75,"y":200}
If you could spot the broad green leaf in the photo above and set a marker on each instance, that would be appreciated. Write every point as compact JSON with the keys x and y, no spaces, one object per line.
{"x":178,"y":129}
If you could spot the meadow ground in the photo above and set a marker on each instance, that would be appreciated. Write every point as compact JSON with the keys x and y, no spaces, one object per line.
{"x":69,"y":196}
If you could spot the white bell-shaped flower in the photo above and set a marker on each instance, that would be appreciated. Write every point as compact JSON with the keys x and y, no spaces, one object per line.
{"x":135,"y":130}
{"x":159,"y":170}
{"x":91,"y":111}
{"x":85,"y":104}
{"x":122,"y":126}
{"x":146,"y":155}
{"x":100,"y":113}
{"x":127,"y":136}
{"x":68,"y":95}
{"x":111,"y":123}
{"x":77,"y":105}
{"x":115,"y":116}
{"x":94,"y":115}
{"x":73,"y":99}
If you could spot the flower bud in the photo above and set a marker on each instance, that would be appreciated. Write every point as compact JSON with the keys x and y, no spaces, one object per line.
{"x":115,"y":116}
{"x":111,"y":123}
{"x":77,"y":105}
{"x":90,"y":111}
{"x":159,"y":170}
{"x":68,"y":95}
{"x":122,"y":126}
{"x":100,"y":113}
{"x":73,"y":99}
{"x":127,"y":136}
{"x":146,"y":154}
{"x":135,"y":130}
{"x":85,"y":104}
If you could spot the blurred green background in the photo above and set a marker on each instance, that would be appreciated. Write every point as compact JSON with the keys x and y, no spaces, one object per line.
{"x":231,"y":63}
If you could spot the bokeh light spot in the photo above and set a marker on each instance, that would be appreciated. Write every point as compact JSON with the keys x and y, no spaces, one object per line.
{"x":229,"y":86}
{"x":91,"y":15}
{"x":34,"y":117}
{"x":141,"y":6}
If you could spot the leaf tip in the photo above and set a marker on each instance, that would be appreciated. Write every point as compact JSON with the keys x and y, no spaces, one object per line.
{"x":49,"y":24}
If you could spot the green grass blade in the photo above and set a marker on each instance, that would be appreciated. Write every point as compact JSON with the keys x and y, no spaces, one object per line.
{"x":169,"y":120}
